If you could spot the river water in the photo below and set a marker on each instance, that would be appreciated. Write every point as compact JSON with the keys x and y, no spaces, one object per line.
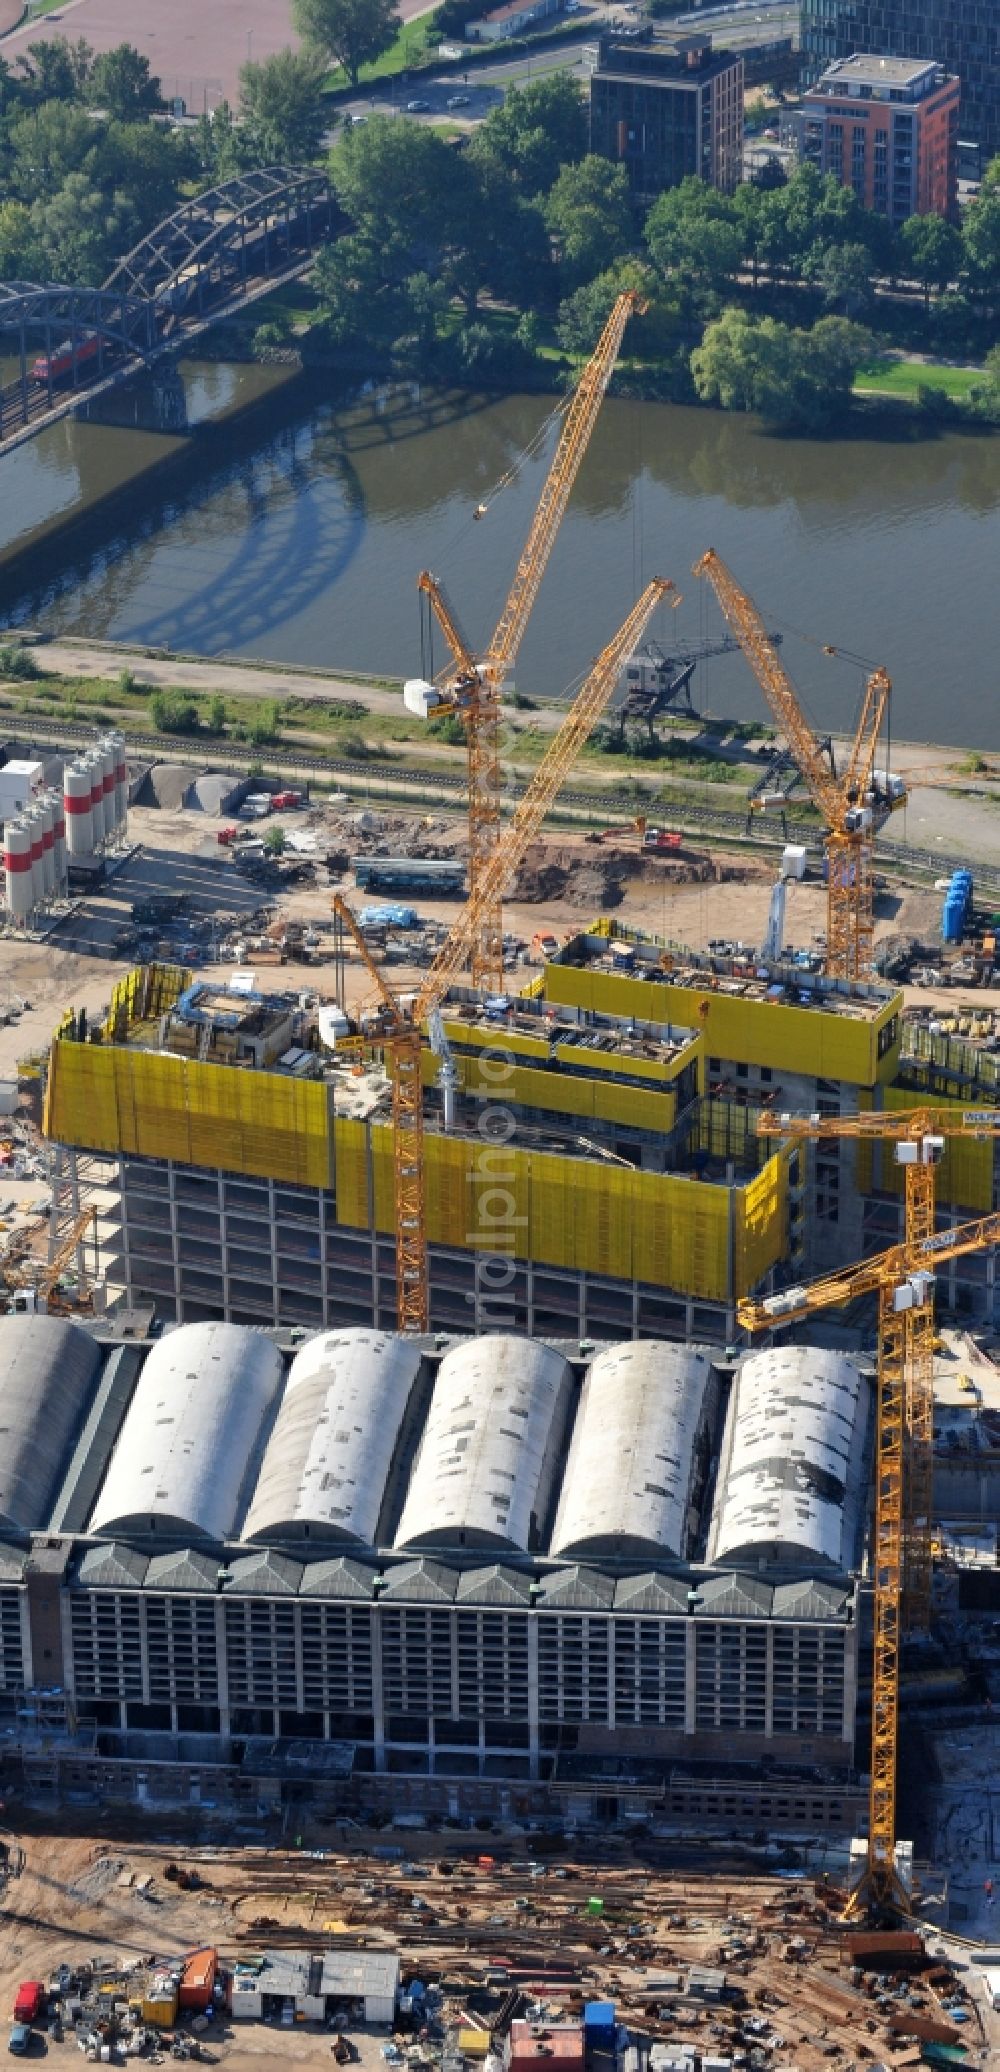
{"x":295,"y":531}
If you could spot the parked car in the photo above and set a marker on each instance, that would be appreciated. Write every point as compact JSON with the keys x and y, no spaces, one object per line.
{"x":20,"y":2039}
{"x":458,"y":100}
{"x":417,"y":107}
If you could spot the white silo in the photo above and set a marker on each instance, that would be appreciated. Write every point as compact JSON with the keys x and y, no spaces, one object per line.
{"x":106,"y":752}
{"x":33,"y":822}
{"x":95,"y":770}
{"x":121,"y":779}
{"x":59,"y":859}
{"x":47,"y":821}
{"x":79,"y":817}
{"x":17,"y":870}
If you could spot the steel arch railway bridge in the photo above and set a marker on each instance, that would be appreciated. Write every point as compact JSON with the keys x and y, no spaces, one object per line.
{"x":225,"y":248}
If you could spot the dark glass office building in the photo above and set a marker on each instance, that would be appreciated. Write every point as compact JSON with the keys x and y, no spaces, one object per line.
{"x":962,"y":35}
{"x":664,"y":108}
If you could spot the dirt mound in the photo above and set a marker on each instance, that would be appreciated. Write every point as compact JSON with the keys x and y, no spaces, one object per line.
{"x":594,"y":879}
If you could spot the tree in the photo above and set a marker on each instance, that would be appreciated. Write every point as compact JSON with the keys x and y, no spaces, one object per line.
{"x":981,"y":243}
{"x":986,"y":394}
{"x":215,"y":717}
{"x":282,"y":109}
{"x":146,"y":162}
{"x":81,"y":231}
{"x":844,"y":274}
{"x":590,"y":216}
{"x":694,"y":230}
{"x":538,"y":129}
{"x":350,"y":32}
{"x":725,"y":366}
{"x":46,"y":144}
{"x":583,"y":315}
{"x":121,"y":83}
{"x":394,"y":180}
{"x":18,"y":245}
{"x":932,"y":252}
{"x":794,"y":378}
{"x":361,"y":290}
{"x":491,"y":238}
{"x":274,"y":841}
{"x":49,"y":70}
{"x":218,"y":143}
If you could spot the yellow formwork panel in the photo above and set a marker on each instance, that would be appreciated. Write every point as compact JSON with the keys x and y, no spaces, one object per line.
{"x":350,"y":1163}
{"x":659,"y":1070}
{"x":103,"y":1098}
{"x":741,"y":1031}
{"x":144,"y":993}
{"x":500,"y":1039}
{"x":633,"y":1105}
{"x":562,"y":1092}
{"x":761,"y":1224}
{"x":563,"y":1212}
{"x":965,"y":1174}
{"x":81,"y":1105}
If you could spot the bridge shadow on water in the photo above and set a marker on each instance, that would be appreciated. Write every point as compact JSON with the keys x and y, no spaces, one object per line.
{"x":263,"y":512}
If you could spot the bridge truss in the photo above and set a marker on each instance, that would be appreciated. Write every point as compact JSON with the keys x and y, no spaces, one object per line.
{"x":206,"y":256}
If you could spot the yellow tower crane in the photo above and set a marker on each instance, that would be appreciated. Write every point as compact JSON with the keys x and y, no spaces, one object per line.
{"x":852,"y":806}
{"x":40,"y":1291}
{"x":397,"y":1030}
{"x":903,"y":1279}
{"x":471,"y":685}
{"x":919,"y":1135}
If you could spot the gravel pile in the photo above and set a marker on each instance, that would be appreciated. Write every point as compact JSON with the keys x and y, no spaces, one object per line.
{"x":209,"y":793}
{"x":167,"y":785}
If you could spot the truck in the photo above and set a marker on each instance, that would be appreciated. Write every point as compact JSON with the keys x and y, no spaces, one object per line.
{"x":30,"y":2000}
{"x":544,"y":945}
{"x":661,"y":838}
{"x":19,"y":2040}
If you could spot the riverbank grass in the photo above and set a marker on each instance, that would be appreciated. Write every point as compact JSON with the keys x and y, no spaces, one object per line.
{"x":905,"y":378}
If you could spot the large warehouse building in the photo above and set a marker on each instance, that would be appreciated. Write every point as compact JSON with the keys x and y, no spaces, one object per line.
{"x":465,"y":1575}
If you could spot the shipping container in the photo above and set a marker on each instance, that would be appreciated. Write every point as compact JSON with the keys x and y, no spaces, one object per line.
{"x":198,"y":1980}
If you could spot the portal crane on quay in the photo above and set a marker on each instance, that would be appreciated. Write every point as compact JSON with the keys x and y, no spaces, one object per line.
{"x":471,"y":685}
{"x":852,"y":806}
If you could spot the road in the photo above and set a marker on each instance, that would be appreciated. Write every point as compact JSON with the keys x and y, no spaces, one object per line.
{"x":486,"y":84}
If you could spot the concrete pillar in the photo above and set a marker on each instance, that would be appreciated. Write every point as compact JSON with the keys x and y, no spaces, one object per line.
{"x":378,"y":1695}
{"x":533,"y":1721}
{"x":690,"y":1676}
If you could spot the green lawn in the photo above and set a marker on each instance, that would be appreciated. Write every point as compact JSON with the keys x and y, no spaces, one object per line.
{"x":416,"y":42}
{"x":905,"y":377}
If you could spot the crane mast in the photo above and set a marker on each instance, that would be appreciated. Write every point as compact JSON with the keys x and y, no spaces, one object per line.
{"x":473,"y":686}
{"x":903,"y":1280}
{"x":849,"y":805}
{"x":398,"y":1031}
{"x":920,"y":1135}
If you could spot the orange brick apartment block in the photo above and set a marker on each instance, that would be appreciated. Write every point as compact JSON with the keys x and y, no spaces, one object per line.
{"x":888,"y":127}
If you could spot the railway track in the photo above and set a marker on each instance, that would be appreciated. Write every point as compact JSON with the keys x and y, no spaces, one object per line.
{"x":691,"y":818}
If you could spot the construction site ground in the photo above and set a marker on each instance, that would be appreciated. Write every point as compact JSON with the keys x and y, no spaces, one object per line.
{"x":80,"y":1895}
{"x":178,"y":852}
{"x":694,"y":898}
